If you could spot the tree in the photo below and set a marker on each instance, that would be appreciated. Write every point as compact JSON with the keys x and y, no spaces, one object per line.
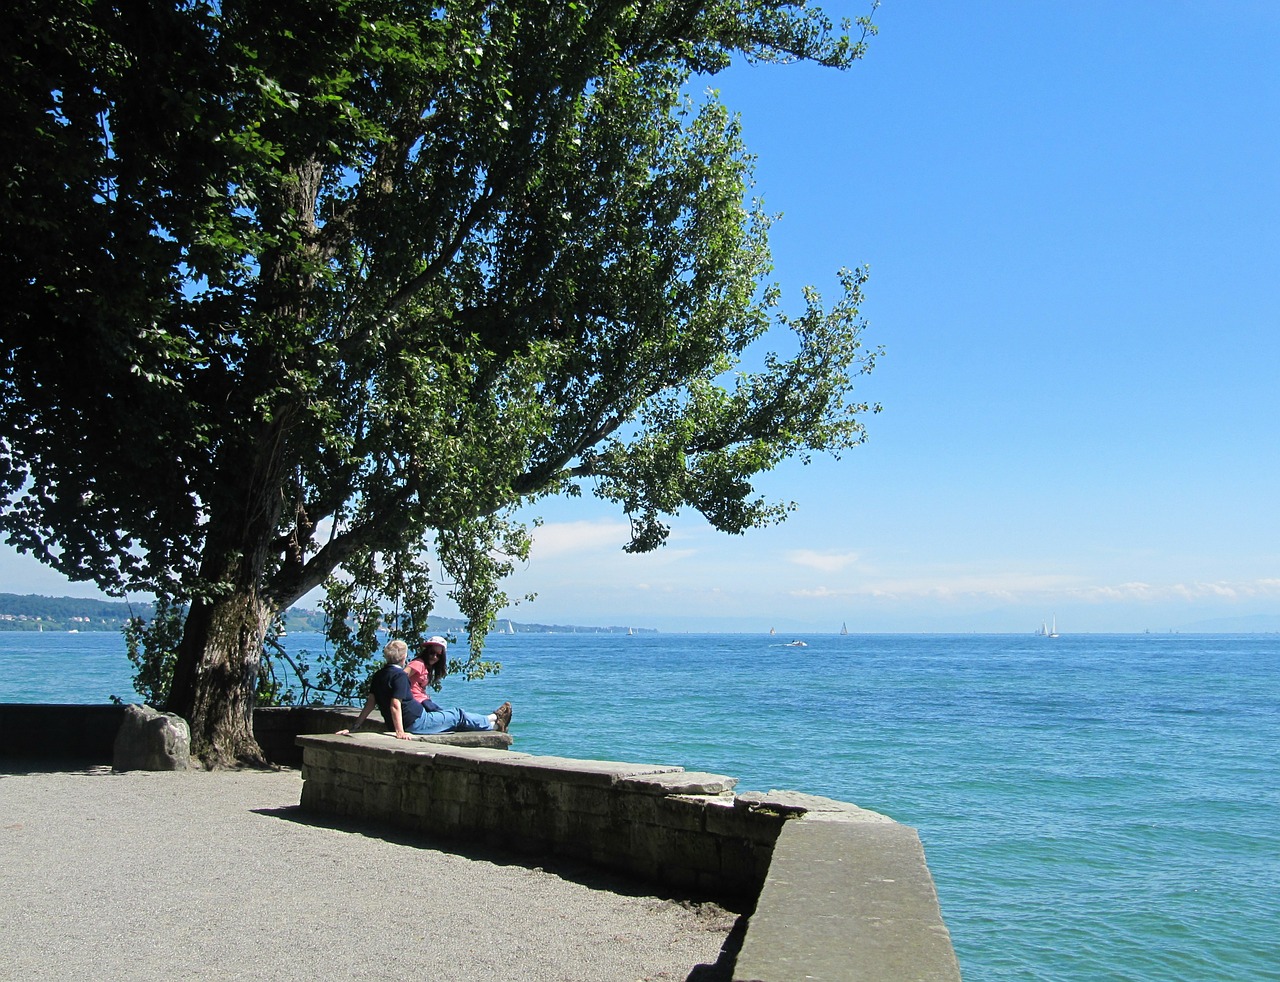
{"x":321,"y":291}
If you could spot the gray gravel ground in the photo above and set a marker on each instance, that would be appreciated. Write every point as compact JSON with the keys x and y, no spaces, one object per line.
{"x":197,"y":875}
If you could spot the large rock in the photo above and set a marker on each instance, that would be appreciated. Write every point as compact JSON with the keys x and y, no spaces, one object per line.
{"x":150,"y":740}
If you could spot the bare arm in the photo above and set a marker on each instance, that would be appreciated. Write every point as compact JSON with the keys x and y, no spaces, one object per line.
{"x":397,"y":720}
{"x":364,"y":714}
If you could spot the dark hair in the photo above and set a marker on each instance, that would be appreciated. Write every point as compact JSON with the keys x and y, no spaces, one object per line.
{"x":439,"y":669}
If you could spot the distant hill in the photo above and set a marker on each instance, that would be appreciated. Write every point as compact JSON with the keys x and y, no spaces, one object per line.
{"x":1247,"y":624}
{"x":300,"y":619}
{"x":35,"y":613}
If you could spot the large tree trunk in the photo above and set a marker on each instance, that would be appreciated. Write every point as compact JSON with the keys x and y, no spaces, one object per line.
{"x":215,"y":681}
{"x":216,"y":675}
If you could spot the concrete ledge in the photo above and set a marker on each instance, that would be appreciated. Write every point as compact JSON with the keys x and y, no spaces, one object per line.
{"x":838,"y":892}
{"x":277,"y":729}
{"x":847,"y":900}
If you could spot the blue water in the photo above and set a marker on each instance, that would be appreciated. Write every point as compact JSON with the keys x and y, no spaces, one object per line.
{"x":1092,"y":807}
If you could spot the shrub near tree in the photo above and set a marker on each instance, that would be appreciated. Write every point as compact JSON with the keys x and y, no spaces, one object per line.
{"x":321,"y":291}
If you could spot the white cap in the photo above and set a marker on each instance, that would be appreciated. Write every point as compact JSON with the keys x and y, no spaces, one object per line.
{"x":444,"y":645}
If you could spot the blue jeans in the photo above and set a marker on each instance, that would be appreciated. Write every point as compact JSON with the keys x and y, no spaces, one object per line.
{"x":448,"y":721}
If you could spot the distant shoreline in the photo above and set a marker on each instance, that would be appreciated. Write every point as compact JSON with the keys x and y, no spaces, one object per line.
{"x":38,"y":613}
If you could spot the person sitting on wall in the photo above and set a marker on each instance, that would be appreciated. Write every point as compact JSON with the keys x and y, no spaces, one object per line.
{"x":389,"y":691}
{"x":427,"y":669}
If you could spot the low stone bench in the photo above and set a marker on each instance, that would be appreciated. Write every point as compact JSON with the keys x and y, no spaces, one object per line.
{"x":277,"y":728}
{"x":658,"y":823}
{"x":838,"y":892}
{"x":847,"y":898}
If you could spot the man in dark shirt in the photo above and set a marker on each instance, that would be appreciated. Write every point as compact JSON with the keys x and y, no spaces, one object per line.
{"x":389,"y":691}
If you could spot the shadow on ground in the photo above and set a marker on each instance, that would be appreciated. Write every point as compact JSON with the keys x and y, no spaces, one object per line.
{"x":714,"y":916}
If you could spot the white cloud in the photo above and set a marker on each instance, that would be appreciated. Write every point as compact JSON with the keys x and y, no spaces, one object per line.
{"x":824,"y":562}
{"x":568,"y":538}
{"x":992,"y":586}
{"x":1219,"y":590}
{"x":1041,"y":588}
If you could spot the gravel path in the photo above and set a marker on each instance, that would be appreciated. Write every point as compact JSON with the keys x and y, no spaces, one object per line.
{"x":197,"y":875}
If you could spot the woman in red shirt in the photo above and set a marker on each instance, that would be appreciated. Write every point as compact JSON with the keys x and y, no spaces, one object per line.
{"x":427,"y":669}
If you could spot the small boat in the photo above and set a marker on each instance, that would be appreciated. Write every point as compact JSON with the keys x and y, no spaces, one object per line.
{"x":772,"y":632}
{"x":796,"y":644}
{"x":844,"y":628}
{"x":1053,"y":631}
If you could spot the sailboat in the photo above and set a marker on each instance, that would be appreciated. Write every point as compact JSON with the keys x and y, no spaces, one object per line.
{"x":772,"y":631}
{"x":1053,"y":631}
{"x":844,"y":628}
{"x":510,"y":628}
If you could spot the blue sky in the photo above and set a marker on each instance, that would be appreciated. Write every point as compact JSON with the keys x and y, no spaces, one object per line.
{"x":1072,"y":218}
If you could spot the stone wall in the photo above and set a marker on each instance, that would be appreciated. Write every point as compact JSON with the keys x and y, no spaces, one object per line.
{"x":837,"y":892}
{"x":42,"y":732}
{"x":87,"y":733}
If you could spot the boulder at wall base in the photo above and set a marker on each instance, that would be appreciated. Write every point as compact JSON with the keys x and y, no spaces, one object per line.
{"x":150,"y":740}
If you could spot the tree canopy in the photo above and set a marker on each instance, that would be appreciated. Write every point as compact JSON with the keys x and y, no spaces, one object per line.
{"x":320,"y":291}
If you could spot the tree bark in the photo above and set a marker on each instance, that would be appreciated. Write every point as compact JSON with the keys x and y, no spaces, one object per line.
{"x":216,"y":676}
{"x":215,"y":681}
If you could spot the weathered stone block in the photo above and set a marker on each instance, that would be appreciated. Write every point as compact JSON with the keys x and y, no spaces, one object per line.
{"x":581,"y":799}
{"x":373,"y":768}
{"x":450,"y":818}
{"x":479,"y":760}
{"x":572,"y":834}
{"x":564,"y":770}
{"x":743,"y":823}
{"x":449,"y":784}
{"x":848,"y":900}
{"x":679,"y":782}
{"x":793,"y":804}
{"x":687,"y":813}
{"x":531,"y":826}
{"x":417,"y":798}
{"x":496,"y":794}
{"x":611,"y":844}
{"x":651,"y":847}
{"x":692,"y":851}
{"x":149,"y":740}
{"x":378,"y":798}
{"x":743,"y":865}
